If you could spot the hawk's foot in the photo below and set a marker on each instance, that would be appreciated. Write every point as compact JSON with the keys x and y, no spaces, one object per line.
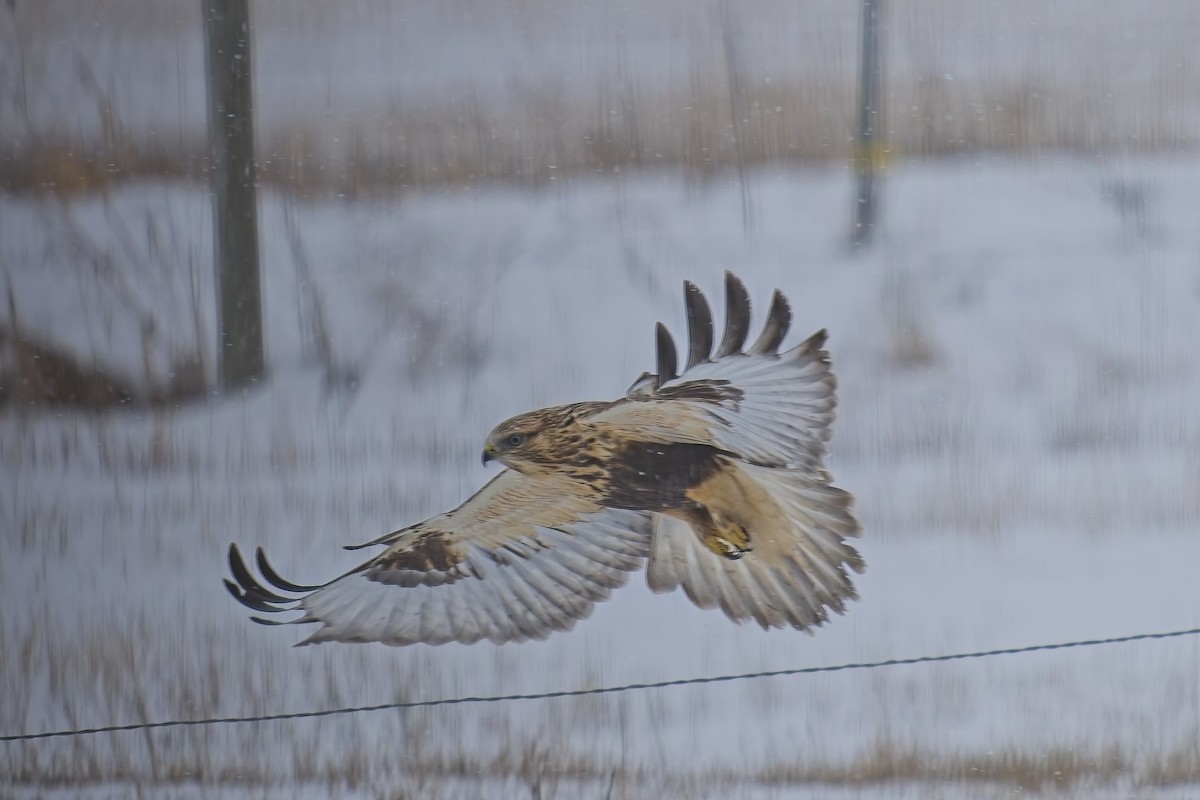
{"x":731,"y":541}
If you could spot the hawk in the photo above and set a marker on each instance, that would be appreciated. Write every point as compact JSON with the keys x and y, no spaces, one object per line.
{"x":711,"y":478}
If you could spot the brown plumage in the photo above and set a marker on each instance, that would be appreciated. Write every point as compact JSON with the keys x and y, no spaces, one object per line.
{"x":714,"y":476}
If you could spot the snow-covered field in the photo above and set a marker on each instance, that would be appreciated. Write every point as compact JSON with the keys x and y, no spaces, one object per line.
{"x":1018,"y":382}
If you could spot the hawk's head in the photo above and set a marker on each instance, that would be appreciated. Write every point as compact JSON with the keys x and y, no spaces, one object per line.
{"x":537,"y":440}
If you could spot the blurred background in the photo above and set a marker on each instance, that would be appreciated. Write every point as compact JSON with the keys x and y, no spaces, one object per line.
{"x":469,"y":209}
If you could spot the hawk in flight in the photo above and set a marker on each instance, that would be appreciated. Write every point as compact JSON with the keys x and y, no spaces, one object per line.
{"x":711,"y":478}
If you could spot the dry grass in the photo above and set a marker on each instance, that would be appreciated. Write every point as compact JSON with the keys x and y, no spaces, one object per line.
{"x":889,"y":762}
{"x":159,"y":758}
{"x":550,"y":136}
{"x":1179,"y":766}
{"x":111,"y":676}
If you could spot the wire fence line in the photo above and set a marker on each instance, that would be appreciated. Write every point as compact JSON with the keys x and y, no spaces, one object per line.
{"x":628,"y":687}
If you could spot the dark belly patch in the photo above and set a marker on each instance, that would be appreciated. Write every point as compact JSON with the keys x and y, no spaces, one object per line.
{"x":651,"y":476}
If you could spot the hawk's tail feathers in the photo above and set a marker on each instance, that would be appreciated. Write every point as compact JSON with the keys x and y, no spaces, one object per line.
{"x":792,"y":577}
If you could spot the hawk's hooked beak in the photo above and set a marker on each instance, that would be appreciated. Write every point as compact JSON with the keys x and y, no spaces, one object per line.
{"x":489,"y":453}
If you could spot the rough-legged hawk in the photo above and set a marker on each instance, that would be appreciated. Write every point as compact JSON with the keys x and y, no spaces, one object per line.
{"x":713,"y":476}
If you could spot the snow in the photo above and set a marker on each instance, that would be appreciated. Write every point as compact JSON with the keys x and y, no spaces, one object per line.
{"x":1025,"y":473}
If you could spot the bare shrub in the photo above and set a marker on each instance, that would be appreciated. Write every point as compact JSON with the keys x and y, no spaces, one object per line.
{"x":909,"y":345}
{"x":36,"y":373}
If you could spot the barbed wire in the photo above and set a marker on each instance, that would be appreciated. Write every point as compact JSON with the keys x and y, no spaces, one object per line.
{"x":628,"y":687}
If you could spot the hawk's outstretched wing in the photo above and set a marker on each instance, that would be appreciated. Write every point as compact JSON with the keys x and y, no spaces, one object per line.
{"x":771,"y":413}
{"x":520,"y":559}
{"x":768,"y":408}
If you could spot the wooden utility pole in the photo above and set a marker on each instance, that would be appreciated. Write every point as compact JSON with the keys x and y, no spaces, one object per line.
{"x":235,"y":202}
{"x":869,"y":147}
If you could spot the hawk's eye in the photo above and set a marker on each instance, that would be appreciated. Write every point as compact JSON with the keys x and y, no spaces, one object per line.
{"x":515,"y":439}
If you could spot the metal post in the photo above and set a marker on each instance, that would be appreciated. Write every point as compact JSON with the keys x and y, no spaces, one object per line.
{"x":869,"y":147}
{"x":235,"y":202}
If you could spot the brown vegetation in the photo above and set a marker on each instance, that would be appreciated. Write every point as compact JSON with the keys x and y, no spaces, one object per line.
{"x":36,"y":372}
{"x":553,"y":137}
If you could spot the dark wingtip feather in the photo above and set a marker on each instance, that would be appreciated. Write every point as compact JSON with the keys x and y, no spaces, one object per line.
{"x":236,"y":561}
{"x":254,"y":601}
{"x":233,"y":589}
{"x":737,"y":316}
{"x":815,"y":342}
{"x":667,"y":359}
{"x":273,"y":577}
{"x":700,"y":325}
{"x":248,"y":583}
{"x":779,"y":319}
